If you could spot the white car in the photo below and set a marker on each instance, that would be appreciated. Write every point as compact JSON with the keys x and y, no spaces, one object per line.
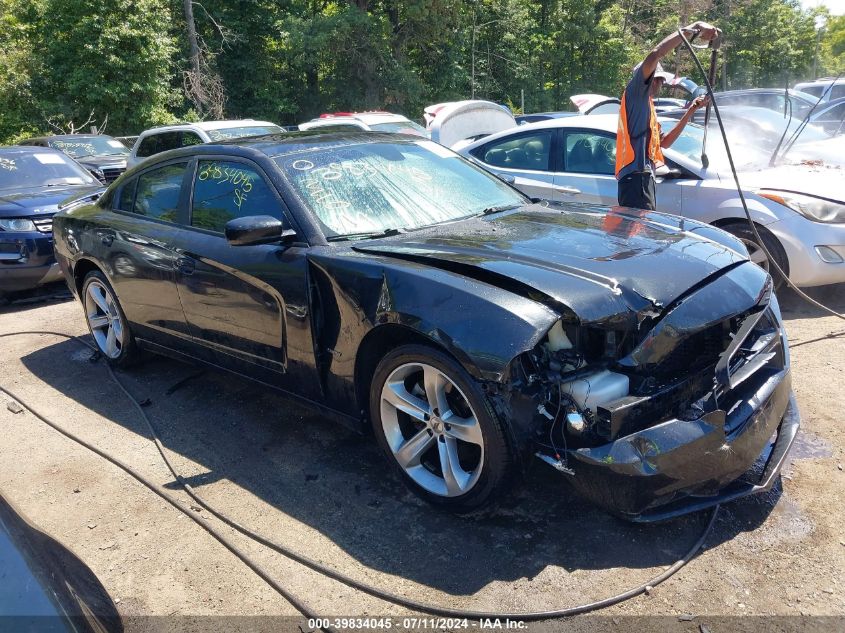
{"x":165,"y":137}
{"x":799,"y":209}
{"x":368,"y":121}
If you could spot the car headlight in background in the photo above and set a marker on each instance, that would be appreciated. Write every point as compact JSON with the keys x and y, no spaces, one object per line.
{"x":17,"y":224}
{"x":812,"y":208}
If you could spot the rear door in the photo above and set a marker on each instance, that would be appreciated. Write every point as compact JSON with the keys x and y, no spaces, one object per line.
{"x":526,"y":157}
{"x":241,"y":303}
{"x":135,"y":242}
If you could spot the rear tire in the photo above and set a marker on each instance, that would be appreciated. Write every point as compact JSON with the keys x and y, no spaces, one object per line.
{"x":454,"y":453}
{"x":107,"y":322}
{"x":745,"y":234}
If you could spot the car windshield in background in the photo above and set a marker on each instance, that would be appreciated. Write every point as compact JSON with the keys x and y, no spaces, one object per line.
{"x":227,"y":133}
{"x":369,"y":189}
{"x":40,"y":169}
{"x":400,"y":127}
{"x":82,"y":146}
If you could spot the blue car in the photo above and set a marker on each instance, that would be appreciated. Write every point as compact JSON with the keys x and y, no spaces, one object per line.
{"x":33,"y":181}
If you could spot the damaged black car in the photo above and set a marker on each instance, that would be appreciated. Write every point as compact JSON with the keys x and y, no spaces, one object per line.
{"x":394,"y":285}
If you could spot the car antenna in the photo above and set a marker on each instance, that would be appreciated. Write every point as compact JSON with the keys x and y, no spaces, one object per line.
{"x":794,"y":138}
{"x":714,"y":45}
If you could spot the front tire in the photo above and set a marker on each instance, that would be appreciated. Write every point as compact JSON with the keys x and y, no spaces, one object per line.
{"x":437,"y":428}
{"x":107,"y":322}
{"x":745,"y":234}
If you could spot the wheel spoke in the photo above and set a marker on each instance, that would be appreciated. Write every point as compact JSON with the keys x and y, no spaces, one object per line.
{"x":410,"y":453}
{"x":111,"y":344}
{"x":454,"y":476}
{"x":400,"y":399}
{"x":435,"y":388}
{"x":99,"y":297}
{"x":464,"y":429}
{"x":98,"y":321}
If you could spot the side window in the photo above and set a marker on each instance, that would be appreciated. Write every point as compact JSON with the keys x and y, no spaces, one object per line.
{"x":190,"y":138}
{"x":224,"y":191}
{"x":588,"y":153}
{"x":157,"y":194}
{"x":837,"y":91}
{"x":157,"y":143}
{"x":126,"y":196}
{"x":527,"y":151}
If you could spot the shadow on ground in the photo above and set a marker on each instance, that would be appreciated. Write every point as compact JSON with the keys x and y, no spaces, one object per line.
{"x":336,"y":482}
{"x":793,"y":306}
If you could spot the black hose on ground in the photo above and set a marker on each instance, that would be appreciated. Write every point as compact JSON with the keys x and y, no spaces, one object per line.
{"x":317,"y":566}
{"x":760,"y":242}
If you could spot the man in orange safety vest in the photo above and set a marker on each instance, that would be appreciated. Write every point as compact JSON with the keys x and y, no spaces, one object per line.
{"x":639,"y":139}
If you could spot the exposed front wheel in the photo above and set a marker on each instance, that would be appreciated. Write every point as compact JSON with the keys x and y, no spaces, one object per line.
{"x":437,"y":428}
{"x":743,"y":232}
{"x":106,"y":321}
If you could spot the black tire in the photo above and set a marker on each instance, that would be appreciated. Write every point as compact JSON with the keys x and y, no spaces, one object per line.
{"x":744,"y":232}
{"x":128,"y":352}
{"x":496,"y":459}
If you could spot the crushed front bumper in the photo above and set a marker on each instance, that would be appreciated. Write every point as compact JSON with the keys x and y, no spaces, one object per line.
{"x":26,"y":261}
{"x":682,"y":466}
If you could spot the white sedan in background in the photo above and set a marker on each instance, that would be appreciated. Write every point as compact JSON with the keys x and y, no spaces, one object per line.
{"x":799,"y":209}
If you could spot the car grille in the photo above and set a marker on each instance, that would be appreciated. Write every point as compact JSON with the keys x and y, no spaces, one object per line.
{"x":110,"y":174}
{"x":44,"y":225}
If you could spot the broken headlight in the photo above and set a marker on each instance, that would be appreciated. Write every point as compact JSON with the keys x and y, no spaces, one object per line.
{"x":812,"y":208}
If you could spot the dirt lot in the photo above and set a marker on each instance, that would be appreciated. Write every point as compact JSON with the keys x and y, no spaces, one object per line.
{"x":303,"y":480}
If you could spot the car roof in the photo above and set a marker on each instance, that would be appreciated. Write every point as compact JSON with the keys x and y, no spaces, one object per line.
{"x":51,"y":137}
{"x":273,"y":145}
{"x":367,"y":118}
{"x":209,"y":125}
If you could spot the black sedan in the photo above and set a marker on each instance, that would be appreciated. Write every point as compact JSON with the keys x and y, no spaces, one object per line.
{"x":384,"y":279}
{"x":33,"y":181}
{"x":104,"y":156}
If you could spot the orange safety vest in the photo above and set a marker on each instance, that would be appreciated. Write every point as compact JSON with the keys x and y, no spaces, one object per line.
{"x":624,"y":145}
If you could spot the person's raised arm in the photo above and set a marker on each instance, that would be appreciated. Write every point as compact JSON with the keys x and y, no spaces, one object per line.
{"x":705,"y":31}
{"x":666,"y":140}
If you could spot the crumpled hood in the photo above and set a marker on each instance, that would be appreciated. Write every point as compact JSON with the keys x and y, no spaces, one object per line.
{"x":36,"y":201}
{"x":607,"y":267}
{"x":822,"y":180}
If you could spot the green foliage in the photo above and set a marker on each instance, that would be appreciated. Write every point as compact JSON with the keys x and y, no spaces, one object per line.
{"x":289,"y":60}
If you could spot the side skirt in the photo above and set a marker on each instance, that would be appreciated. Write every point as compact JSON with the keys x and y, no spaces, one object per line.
{"x":350,"y":422}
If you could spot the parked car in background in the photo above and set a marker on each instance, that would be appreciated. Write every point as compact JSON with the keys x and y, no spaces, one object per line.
{"x":828,"y":88}
{"x":160,"y":139}
{"x":104,"y":156}
{"x":341,"y":268}
{"x":524,"y":119}
{"x":830,"y":116}
{"x":369,"y":121}
{"x":33,"y":181}
{"x":799,"y":210}
{"x":785,"y":102}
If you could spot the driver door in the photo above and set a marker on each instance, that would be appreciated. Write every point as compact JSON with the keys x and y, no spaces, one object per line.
{"x":244,"y":305}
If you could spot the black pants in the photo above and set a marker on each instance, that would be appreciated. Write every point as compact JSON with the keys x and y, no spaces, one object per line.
{"x":636,"y":190}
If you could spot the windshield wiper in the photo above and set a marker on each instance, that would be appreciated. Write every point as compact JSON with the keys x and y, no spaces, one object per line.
{"x":499,"y":209}
{"x":365,"y":235}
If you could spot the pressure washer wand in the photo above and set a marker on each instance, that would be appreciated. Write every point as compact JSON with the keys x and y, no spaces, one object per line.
{"x":715,"y":43}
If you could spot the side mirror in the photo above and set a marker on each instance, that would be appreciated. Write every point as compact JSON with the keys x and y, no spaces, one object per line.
{"x":511,"y":180}
{"x":257,"y":229}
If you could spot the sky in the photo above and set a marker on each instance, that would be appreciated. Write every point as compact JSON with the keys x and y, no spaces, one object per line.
{"x":836,"y":7}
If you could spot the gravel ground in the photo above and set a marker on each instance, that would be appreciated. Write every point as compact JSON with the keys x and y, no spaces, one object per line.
{"x":288,"y":473}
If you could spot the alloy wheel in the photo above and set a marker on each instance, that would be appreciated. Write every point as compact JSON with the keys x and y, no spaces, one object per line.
{"x":756,"y":254}
{"x":104,"y":319}
{"x":432,"y":430}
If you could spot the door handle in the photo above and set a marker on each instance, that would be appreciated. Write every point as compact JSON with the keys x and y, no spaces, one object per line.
{"x":185,"y":265}
{"x":569,"y":190}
